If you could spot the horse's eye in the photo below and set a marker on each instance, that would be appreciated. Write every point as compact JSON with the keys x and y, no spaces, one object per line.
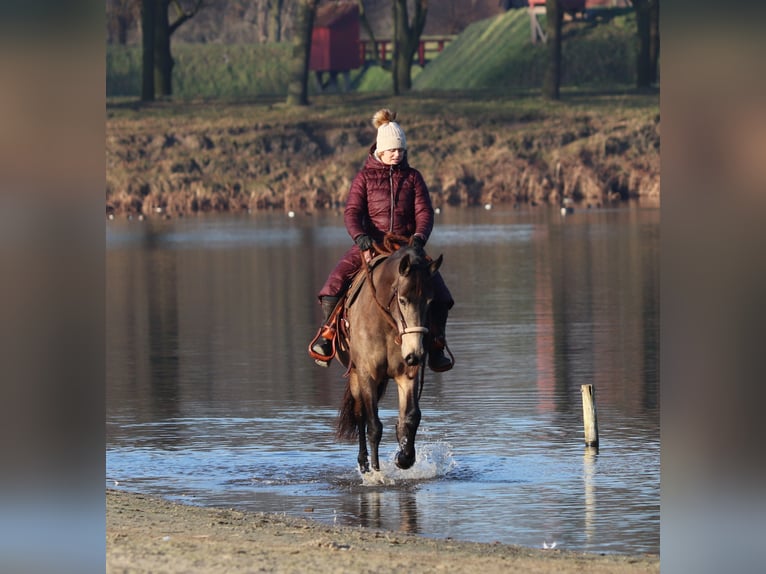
{"x":402,"y":301}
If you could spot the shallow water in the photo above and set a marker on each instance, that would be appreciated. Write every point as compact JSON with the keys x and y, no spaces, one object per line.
{"x":213,"y":400}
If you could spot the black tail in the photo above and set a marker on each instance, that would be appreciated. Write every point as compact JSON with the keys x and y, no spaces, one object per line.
{"x":346,"y":428}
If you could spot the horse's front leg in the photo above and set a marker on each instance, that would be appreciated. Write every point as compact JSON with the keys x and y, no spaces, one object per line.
{"x":361,"y":421}
{"x":409,"y":420}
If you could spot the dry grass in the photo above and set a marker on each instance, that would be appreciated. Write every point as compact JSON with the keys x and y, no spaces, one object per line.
{"x":472,"y":147}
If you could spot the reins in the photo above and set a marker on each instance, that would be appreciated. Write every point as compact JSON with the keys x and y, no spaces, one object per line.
{"x":386,"y":313}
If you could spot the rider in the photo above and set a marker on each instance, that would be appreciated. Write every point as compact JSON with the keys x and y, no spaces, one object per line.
{"x":386,"y":196}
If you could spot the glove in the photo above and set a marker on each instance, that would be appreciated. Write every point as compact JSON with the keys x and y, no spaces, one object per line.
{"x":364,"y":242}
{"x":418,"y":242}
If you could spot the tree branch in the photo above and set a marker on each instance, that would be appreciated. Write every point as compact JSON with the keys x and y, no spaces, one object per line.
{"x":183,"y":15}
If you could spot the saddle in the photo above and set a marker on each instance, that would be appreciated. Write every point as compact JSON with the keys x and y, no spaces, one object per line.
{"x":336,"y":325}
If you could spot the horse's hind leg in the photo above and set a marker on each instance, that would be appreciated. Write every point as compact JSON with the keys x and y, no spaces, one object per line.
{"x":362,"y":459}
{"x":368,"y":403}
{"x":409,"y":420}
{"x":359,"y":420}
{"x":374,"y":429}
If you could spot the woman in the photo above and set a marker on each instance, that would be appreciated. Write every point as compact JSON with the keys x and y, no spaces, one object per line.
{"x":386,"y":196}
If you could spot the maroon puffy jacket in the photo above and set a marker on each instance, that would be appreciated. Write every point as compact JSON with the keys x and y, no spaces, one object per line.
{"x":388,"y":198}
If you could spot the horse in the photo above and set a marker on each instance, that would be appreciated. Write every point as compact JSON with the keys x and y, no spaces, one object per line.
{"x":386,"y":325}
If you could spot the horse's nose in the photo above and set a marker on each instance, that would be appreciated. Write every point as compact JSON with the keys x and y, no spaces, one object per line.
{"x":412,"y":360}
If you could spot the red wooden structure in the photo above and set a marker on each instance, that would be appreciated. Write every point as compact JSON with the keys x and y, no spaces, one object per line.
{"x":428,"y":49}
{"x":335,"y":38}
{"x":573,"y":8}
{"x":569,"y":6}
{"x":576,"y":6}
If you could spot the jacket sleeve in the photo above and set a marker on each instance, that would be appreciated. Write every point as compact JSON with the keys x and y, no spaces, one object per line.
{"x":424,"y":211}
{"x":356,"y":212}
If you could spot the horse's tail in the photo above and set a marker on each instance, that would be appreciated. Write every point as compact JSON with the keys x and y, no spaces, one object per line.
{"x":346,"y":428}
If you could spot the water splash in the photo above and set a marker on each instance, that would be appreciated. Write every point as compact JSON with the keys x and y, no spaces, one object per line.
{"x":432,"y":460}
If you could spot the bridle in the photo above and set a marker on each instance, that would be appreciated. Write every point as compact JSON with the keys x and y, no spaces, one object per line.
{"x":400,"y":325}
{"x":401,"y":322}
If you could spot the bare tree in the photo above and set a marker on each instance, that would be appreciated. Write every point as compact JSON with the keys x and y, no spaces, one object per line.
{"x":406,"y":40}
{"x":303,"y":26}
{"x":121,"y":16}
{"x":163,"y":30}
{"x":654,"y":41}
{"x":647,"y":26}
{"x":552,"y":78}
{"x":364,"y":21}
{"x":148,"y":11}
{"x":275,"y":20}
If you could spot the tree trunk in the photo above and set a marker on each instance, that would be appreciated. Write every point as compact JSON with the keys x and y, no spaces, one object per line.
{"x":395,"y":47}
{"x":298,"y":86}
{"x":406,"y":40}
{"x":654,"y":42}
{"x":275,"y":20}
{"x":643,"y":59}
{"x":552,"y":78}
{"x":123,"y":23}
{"x":163,"y":60}
{"x":147,"y":47}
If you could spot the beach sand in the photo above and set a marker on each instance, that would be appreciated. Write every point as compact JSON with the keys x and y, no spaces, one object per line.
{"x":150,"y":534}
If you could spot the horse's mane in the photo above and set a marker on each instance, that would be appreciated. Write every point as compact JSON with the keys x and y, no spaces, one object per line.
{"x":418,"y":257}
{"x":419,"y":264}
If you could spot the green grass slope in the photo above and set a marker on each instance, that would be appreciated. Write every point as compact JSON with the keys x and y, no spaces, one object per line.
{"x":498,"y":53}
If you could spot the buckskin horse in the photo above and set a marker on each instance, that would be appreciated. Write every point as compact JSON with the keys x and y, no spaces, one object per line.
{"x":382,"y":337}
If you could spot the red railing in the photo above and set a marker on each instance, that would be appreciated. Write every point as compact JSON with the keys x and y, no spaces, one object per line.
{"x":428,"y":49}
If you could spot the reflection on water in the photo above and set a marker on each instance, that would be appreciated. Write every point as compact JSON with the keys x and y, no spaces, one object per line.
{"x":589,"y":465}
{"x":212,"y":398}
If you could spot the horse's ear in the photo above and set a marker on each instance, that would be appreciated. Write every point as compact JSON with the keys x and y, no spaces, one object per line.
{"x":404,"y":265}
{"x":435,"y":264}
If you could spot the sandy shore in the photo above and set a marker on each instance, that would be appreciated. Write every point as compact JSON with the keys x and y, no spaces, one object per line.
{"x":148,"y":534}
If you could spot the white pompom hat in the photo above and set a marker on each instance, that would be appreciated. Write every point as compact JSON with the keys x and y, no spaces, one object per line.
{"x":390,"y":134}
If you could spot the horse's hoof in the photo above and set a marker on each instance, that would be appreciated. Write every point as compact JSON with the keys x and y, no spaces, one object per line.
{"x":403,"y":461}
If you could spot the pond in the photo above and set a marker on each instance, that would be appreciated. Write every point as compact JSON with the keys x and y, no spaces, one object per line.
{"x":213,"y":400}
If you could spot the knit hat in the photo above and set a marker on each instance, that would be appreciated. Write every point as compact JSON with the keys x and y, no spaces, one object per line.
{"x":390,"y":134}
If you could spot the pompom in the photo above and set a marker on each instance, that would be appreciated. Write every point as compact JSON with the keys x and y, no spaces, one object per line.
{"x":382,"y":117}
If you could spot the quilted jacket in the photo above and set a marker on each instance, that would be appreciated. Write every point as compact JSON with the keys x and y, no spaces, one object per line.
{"x":388,"y":198}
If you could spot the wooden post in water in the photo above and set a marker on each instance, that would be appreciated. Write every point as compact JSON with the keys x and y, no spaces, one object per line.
{"x":589,"y":418}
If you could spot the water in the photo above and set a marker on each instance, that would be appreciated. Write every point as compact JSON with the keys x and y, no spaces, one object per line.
{"x":212,"y":399}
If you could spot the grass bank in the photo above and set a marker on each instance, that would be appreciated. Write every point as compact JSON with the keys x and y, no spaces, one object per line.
{"x":473,"y":147}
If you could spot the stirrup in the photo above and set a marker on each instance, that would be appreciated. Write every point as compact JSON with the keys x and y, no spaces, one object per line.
{"x":326,"y":332}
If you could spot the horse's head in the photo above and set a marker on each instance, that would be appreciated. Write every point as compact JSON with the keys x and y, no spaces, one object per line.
{"x":412,"y":293}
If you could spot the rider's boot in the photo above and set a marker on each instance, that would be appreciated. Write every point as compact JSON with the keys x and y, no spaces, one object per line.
{"x":437,"y":360}
{"x":323,"y":345}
